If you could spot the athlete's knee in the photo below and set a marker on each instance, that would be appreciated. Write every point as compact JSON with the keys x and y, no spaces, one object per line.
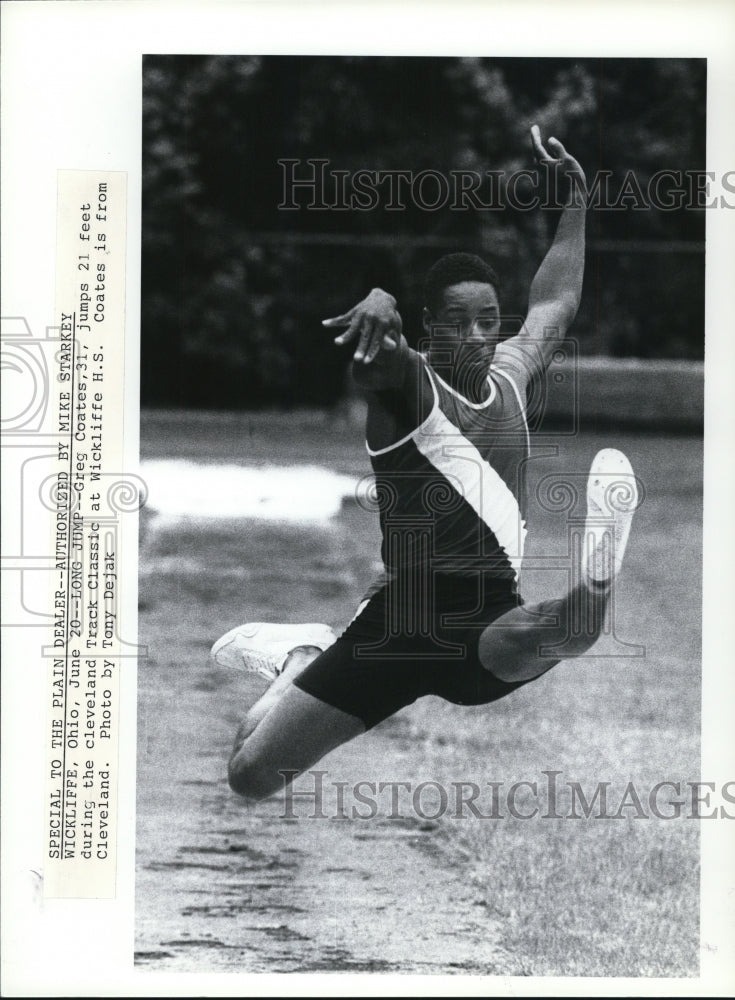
{"x":248,"y":786}
{"x":514,"y":655}
{"x":250,"y":779}
{"x":501,"y":648}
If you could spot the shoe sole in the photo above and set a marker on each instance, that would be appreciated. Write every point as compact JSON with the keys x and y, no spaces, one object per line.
{"x":612,"y":499}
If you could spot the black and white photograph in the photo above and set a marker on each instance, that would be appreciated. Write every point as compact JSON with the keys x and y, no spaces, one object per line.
{"x":420,"y":570}
{"x":367,"y":462}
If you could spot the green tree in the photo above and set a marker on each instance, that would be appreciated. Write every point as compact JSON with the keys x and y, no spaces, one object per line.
{"x":233,"y":288}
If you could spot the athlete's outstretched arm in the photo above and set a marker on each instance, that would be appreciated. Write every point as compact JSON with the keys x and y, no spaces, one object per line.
{"x":557,"y":287}
{"x":391,"y":373}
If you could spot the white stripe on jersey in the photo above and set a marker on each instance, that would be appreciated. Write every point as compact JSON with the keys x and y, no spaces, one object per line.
{"x":456,"y":458}
{"x":473,"y":406}
{"x":514,"y":387}
{"x":416,"y":430}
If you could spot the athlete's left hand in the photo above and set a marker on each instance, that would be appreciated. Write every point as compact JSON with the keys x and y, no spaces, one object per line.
{"x":374,"y":323}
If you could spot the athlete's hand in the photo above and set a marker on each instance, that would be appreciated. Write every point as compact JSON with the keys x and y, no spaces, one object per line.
{"x":558,"y":159}
{"x":374,"y":323}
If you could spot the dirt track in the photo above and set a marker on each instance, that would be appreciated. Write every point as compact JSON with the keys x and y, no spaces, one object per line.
{"x":221,"y":887}
{"x":233,"y":888}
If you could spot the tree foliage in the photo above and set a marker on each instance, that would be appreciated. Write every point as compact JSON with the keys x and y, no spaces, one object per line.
{"x":234,"y":288}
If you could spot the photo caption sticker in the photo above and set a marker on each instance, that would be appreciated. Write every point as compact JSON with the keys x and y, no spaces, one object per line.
{"x":87,"y":496}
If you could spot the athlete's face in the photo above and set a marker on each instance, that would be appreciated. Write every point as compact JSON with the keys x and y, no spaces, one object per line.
{"x":465,"y":330}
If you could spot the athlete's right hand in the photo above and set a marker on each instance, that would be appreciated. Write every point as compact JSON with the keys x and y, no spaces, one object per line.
{"x":374,"y":323}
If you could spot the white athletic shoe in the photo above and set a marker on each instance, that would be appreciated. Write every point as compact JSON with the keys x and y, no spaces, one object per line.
{"x":612,"y":498}
{"x":263,"y":648}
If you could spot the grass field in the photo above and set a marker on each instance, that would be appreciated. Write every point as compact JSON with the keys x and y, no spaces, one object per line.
{"x":223,"y":886}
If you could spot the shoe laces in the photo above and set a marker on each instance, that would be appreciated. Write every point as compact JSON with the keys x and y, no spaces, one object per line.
{"x":263,"y":660}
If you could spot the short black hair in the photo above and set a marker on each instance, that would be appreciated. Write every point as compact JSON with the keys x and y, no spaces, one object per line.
{"x":453,"y":269}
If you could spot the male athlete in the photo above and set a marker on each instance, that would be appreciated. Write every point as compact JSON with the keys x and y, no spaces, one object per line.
{"x":448,"y":443}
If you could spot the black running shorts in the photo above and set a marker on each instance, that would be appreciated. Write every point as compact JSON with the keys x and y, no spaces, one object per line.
{"x":408,"y":642}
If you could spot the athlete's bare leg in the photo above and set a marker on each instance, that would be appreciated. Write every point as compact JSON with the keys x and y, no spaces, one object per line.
{"x":297,"y":661}
{"x":286,"y":730}
{"x":527,"y":641}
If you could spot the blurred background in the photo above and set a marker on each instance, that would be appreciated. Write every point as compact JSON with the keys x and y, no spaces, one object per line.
{"x":233,"y":289}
